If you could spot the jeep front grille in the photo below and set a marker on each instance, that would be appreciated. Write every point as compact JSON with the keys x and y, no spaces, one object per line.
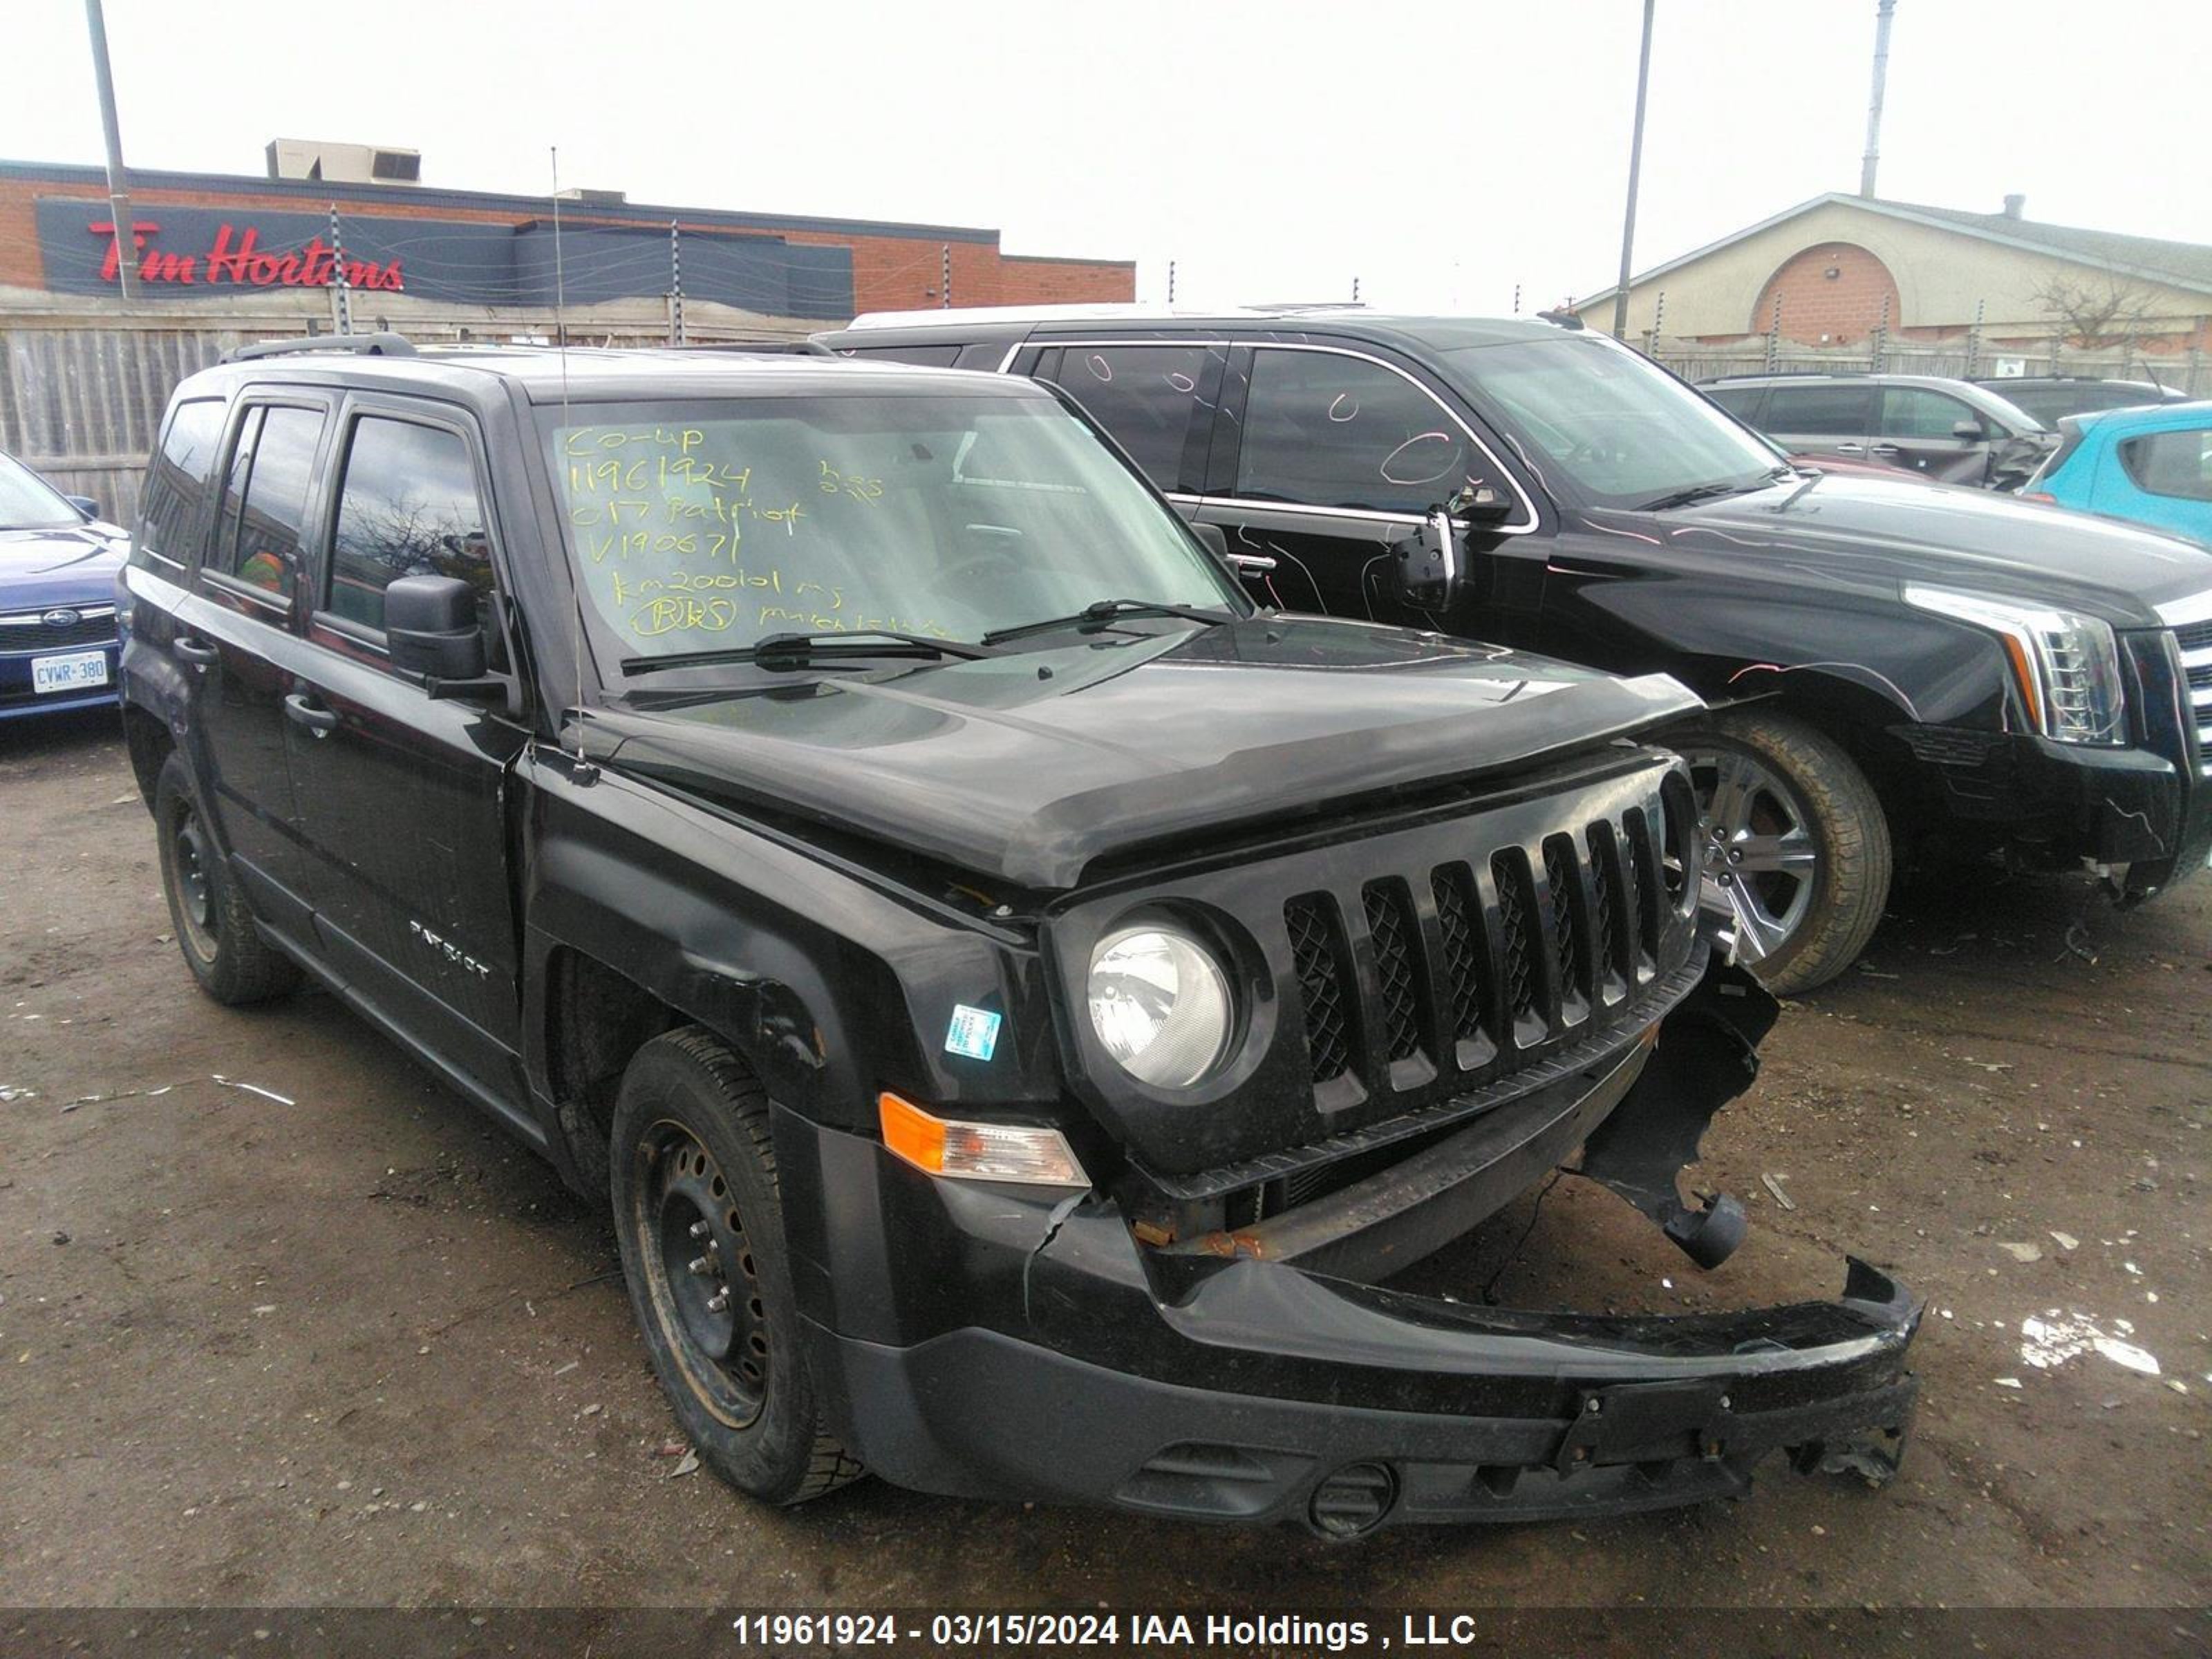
{"x":1476,"y":963}
{"x":2195,"y":643}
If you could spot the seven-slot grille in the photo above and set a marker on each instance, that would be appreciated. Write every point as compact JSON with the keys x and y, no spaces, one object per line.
{"x":2195,"y":643}
{"x":1478,"y":963}
{"x":29,"y":630}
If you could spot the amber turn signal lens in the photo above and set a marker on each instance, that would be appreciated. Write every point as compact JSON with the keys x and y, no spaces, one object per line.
{"x":977,"y":1152}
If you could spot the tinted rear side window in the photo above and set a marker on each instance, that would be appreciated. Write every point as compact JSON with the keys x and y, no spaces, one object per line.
{"x":1914,"y":411}
{"x":1148,"y":397}
{"x":1332,"y":430}
{"x":176,"y":495}
{"x":931,"y":356}
{"x":265,"y":503}
{"x":408,"y":507}
{"x":1819,"y":411}
{"x":2171,"y":463}
{"x":1741,"y":401}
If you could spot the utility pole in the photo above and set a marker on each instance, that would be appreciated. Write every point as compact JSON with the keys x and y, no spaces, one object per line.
{"x":1883,"y":11}
{"x":118,"y":184}
{"x":1171,"y":282}
{"x":1635,"y":170}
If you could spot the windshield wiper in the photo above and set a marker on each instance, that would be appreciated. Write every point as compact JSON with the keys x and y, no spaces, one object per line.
{"x":795,"y":650}
{"x":1099,"y":612}
{"x":1706,"y":492}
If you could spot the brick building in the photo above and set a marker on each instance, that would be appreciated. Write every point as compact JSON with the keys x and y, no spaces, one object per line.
{"x":207,"y":241}
{"x":1831,"y":272}
{"x":222,"y":260}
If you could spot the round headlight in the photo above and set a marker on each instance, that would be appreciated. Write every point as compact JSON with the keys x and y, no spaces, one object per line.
{"x":1160,"y":1004}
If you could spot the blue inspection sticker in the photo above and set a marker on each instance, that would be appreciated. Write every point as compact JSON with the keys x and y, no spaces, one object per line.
{"x":974,"y":1033}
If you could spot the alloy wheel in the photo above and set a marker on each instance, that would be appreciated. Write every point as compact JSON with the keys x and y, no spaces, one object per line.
{"x":1757,"y":836}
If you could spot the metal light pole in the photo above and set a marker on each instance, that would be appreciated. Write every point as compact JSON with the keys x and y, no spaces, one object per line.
{"x":1872,"y":160}
{"x":1635,"y":171}
{"x":118,"y":189}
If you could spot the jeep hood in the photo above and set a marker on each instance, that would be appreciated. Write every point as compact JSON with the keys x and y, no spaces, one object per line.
{"x":1028,"y":766}
{"x":1840,"y":526}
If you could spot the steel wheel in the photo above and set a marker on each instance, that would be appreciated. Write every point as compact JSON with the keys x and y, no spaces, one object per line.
{"x":704,"y":1281}
{"x":195,"y":891}
{"x":1757,"y":839}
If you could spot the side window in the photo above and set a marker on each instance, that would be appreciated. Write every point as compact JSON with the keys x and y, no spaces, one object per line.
{"x":1820,"y":411}
{"x":1914,"y":411}
{"x":1330,"y":430}
{"x":2171,"y":463}
{"x":1148,"y":397}
{"x":930,"y":356}
{"x":1741,"y":401}
{"x":408,"y":506}
{"x":177,"y":483}
{"x":265,"y":500}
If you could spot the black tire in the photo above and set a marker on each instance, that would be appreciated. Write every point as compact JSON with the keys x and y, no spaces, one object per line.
{"x":214,"y":926}
{"x":1813,"y":781}
{"x":694,"y":1169}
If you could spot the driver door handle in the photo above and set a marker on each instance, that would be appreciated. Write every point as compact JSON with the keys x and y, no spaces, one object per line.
{"x":301,"y":710}
{"x":1885,"y":449}
{"x":1850,"y":449}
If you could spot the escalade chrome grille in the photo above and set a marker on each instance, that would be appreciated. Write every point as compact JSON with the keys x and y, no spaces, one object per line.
{"x":1479,"y":963}
{"x":2195,"y":643}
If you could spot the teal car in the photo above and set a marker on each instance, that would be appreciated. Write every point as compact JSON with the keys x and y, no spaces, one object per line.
{"x":2151,"y":466}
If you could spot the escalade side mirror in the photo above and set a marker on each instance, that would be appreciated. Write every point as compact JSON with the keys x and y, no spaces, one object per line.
{"x":430,"y":627}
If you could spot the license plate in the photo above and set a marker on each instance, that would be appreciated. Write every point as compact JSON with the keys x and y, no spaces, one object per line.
{"x":76,"y":671}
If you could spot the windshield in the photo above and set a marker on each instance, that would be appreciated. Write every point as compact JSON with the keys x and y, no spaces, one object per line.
{"x":29,"y":503}
{"x":1617,"y":430}
{"x":707,"y":527}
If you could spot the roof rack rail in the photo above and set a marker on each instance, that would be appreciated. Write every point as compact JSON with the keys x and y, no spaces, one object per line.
{"x":385,"y":344}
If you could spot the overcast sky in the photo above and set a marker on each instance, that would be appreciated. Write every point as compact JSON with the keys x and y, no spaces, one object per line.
{"x":1439,"y":153}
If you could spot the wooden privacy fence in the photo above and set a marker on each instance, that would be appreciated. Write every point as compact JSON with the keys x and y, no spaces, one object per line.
{"x":82,"y":399}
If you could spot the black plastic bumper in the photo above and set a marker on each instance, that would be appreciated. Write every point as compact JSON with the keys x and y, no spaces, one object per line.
{"x":994,"y":1341}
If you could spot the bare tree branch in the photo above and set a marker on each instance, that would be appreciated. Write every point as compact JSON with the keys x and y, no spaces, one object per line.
{"x":2100,"y":310}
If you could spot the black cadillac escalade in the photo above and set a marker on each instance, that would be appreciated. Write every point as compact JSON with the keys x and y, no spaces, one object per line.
{"x":1018,"y":999}
{"x":1892,"y":670}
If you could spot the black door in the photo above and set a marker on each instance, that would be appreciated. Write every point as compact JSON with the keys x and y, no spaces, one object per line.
{"x":403,"y":799}
{"x":237,"y":637}
{"x":1326,"y":457}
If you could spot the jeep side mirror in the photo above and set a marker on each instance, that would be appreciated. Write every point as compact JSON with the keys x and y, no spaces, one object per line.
{"x":1428,"y":562}
{"x":85,"y":505}
{"x":1970,"y":430}
{"x":430,"y":627}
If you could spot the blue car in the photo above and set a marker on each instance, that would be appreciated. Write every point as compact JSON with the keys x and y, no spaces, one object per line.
{"x":57,"y":567}
{"x":2151,"y":466}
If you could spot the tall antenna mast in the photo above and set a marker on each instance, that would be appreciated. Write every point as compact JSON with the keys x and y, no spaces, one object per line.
{"x":584,"y":771}
{"x":1883,"y":11}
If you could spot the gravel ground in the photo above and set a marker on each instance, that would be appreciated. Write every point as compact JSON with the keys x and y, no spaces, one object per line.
{"x":354,"y":1347}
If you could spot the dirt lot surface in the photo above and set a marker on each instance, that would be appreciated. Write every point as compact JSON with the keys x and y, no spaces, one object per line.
{"x":354,"y":1346}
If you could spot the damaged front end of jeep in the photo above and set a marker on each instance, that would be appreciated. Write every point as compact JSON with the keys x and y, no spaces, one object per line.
{"x":1433,"y":1015}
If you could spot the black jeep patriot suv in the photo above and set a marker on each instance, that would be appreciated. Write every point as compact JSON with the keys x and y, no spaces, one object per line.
{"x":1018,"y":999}
{"x":1890,"y":669}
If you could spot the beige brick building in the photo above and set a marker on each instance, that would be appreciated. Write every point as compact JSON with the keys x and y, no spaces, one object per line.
{"x":1841,"y":266}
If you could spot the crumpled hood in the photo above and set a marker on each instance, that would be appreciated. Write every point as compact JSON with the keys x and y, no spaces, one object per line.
{"x":1030,"y":765}
{"x":1947,"y":535}
{"x":41,"y":568}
